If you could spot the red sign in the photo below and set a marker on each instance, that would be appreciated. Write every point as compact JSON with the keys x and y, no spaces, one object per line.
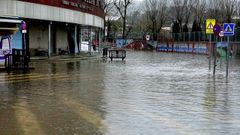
{"x":89,"y":6}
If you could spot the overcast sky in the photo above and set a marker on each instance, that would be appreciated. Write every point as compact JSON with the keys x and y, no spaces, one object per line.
{"x":136,"y":5}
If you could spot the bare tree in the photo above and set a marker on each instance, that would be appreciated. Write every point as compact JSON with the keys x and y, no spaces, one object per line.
{"x":178,"y":11}
{"x":109,"y":13}
{"x":108,"y":7}
{"x":122,"y":7}
{"x":144,"y":23}
{"x":152,"y":14}
{"x":229,"y":8}
{"x":182,"y":11}
{"x":200,"y":7}
{"x":156,"y":12}
{"x":213,"y":9}
{"x":163,"y":14}
{"x":222,"y":10}
{"x":237,"y":7}
{"x":188,"y":8}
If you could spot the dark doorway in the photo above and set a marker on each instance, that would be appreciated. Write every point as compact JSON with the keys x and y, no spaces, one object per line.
{"x":53,"y":35}
{"x":71,"y":39}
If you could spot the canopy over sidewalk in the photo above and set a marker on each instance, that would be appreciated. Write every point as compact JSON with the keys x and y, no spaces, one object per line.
{"x":8,"y":25}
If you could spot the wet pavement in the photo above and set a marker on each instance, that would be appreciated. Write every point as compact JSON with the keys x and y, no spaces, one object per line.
{"x":148,"y":94}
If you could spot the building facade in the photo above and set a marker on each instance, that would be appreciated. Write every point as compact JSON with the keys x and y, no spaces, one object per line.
{"x":57,"y":26}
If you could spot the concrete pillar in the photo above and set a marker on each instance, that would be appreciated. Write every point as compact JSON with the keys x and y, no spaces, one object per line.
{"x":99,"y":40}
{"x":75,"y":39}
{"x":80,"y":41}
{"x":49,"y":39}
{"x":90,"y":40}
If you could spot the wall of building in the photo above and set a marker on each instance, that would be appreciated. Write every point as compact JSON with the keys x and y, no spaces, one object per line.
{"x":38,"y":16}
{"x":94,"y":7}
{"x":45,"y":12}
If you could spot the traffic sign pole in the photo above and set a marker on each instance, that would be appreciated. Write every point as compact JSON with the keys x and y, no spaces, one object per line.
{"x":210,"y":23}
{"x":228,"y":29}
{"x":214,"y":55}
{"x":227,"y":57}
{"x":210,"y":51}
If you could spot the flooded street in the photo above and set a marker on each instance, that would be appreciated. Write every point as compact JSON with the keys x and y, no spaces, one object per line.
{"x":147,"y":94}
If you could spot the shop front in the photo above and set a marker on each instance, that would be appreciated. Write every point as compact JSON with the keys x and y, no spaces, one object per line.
{"x":56,"y":28}
{"x":10,"y":36}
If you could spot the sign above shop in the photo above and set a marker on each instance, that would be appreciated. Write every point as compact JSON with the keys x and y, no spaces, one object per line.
{"x":94,"y":7}
{"x":76,"y":5}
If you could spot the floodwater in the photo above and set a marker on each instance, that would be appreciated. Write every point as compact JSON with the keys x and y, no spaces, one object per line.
{"x":147,"y":94}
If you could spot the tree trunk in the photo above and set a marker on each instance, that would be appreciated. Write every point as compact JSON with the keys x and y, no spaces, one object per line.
{"x":104,"y":30}
{"x":124,"y":23}
{"x":153,"y":28}
{"x":124,"y":28}
{"x":229,"y":19}
{"x":108,"y":29}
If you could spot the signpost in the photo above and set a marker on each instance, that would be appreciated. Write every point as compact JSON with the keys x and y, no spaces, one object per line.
{"x":24,"y":48}
{"x":213,"y":28}
{"x":209,"y":26}
{"x":209,"y":30}
{"x":217,"y":31}
{"x":221,"y":34}
{"x":147,"y":37}
{"x":228,"y":30}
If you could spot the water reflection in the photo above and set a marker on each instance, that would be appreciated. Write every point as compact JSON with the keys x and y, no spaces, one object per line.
{"x":53,"y":68}
{"x":148,"y":93}
{"x":70,"y":67}
{"x":210,"y":96}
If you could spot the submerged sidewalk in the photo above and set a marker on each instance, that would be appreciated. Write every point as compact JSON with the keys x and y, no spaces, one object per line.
{"x":66,"y":57}
{"x":82,"y":56}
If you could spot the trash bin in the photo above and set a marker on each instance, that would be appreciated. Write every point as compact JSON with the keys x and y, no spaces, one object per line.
{"x":105,"y":52}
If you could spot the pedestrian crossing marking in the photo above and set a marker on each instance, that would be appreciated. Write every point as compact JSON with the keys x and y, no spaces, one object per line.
{"x":228,"y":29}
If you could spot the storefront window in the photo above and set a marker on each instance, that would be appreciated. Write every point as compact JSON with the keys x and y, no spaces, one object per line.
{"x":89,"y":38}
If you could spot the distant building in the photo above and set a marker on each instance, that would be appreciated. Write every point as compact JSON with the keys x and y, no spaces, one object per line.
{"x":55,"y":25}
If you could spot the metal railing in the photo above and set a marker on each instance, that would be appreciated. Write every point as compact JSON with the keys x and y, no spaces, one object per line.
{"x":117,"y":53}
{"x":16,"y":61}
{"x":197,"y":37}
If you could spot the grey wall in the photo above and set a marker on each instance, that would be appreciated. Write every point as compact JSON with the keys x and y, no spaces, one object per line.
{"x":61,"y":38}
{"x":38,"y":37}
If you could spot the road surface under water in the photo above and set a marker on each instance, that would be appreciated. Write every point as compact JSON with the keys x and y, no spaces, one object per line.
{"x":147,"y":94}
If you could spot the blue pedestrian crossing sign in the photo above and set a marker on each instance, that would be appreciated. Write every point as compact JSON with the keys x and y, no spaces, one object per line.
{"x":228,"y":29}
